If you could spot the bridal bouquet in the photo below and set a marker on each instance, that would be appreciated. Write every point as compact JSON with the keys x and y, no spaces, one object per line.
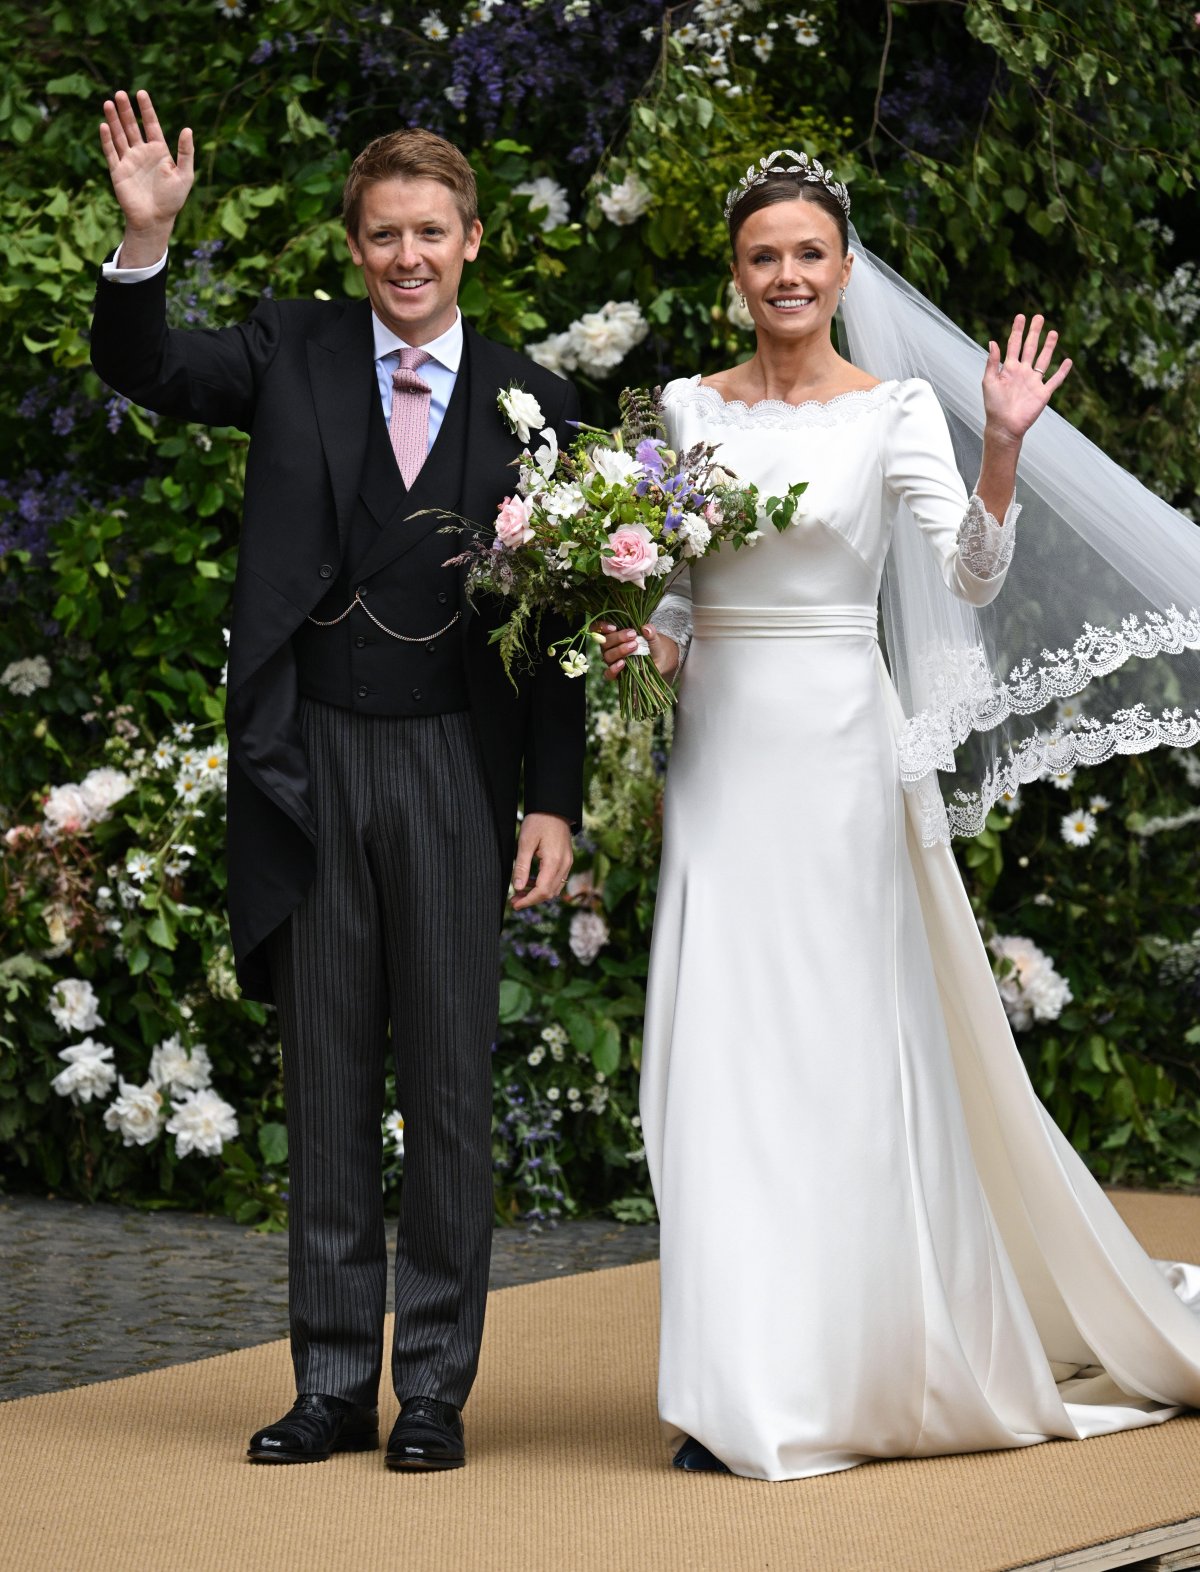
{"x":598,"y":530}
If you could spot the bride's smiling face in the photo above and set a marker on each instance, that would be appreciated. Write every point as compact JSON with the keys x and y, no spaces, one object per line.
{"x":791,"y":268}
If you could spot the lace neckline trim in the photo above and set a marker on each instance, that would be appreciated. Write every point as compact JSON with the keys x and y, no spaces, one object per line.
{"x":777,"y":411}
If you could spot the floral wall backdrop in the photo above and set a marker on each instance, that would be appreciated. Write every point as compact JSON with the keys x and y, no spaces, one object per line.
{"x":1003,"y":155}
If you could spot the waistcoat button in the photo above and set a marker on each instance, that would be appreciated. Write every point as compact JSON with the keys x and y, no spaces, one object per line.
{"x":431,"y":649}
{"x":442,"y":597}
{"x":362,"y":692}
{"x":326,"y":571}
{"x":416,"y":693}
{"x":360,"y":642}
{"x":361,"y":590}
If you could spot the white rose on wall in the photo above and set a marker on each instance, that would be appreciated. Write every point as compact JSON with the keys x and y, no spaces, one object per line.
{"x":66,"y":810}
{"x":1032,"y":990}
{"x":547,"y":199}
{"x":202,"y":1122}
{"x":625,"y":202}
{"x":102,"y":789}
{"x":174,"y":1069}
{"x":89,"y":1072}
{"x":556,"y":353}
{"x":600,"y":340}
{"x":135,"y":1113}
{"x":74,"y":1005}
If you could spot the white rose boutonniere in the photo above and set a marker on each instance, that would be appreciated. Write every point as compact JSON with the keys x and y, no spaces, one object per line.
{"x":522,"y":412}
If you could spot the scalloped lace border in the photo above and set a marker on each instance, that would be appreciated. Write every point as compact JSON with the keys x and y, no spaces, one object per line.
{"x":971,"y":699}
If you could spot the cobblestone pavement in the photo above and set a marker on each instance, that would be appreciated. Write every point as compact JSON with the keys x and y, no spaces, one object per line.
{"x":88,"y":1293}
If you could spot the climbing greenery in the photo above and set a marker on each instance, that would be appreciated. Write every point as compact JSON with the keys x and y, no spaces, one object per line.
{"x":1003,"y":154}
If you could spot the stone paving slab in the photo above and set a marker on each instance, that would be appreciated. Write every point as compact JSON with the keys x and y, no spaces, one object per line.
{"x":90,"y":1293}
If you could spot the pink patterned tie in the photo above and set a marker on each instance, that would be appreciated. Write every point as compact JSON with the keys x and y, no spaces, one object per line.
{"x":409,"y":426}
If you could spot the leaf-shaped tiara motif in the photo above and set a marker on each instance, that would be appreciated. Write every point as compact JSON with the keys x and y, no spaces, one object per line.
{"x":800,"y":164}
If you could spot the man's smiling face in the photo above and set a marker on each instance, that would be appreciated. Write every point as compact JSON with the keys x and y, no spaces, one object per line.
{"x":412,"y":246}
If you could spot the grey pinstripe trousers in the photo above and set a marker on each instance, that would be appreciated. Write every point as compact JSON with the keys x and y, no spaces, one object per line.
{"x":399,"y":930}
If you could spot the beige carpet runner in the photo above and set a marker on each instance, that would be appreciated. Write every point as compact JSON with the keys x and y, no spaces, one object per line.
{"x":567,"y":1470}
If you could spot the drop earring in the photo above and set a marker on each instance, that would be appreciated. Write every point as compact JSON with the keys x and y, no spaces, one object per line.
{"x":843,"y":297}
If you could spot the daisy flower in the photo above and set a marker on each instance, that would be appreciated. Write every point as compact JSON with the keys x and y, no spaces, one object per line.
{"x":1078,"y":828}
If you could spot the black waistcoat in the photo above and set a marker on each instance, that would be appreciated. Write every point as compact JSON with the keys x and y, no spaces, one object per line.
{"x":355,"y":664}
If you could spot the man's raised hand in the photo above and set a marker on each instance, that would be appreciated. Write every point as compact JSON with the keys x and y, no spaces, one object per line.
{"x":150,"y":185}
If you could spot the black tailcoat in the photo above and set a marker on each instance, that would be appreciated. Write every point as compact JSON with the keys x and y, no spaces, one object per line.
{"x":299,"y":377}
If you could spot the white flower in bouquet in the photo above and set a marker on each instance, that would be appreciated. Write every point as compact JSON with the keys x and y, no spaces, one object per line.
{"x":737,"y":311}
{"x":634,"y":552}
{"x":24,"y":677}
{"x":556,"y":353}
{"x":625,"y":202}
{"x":548,"y":198}
{"x":174,"y":1069}
{"x":135,"y":1113}
{"x":102,"y":789}
{"x":1078,"y":828}
{"x":393,"y":1128}
{"x":545,"y":456}
{"x":588,"y":936}
{"x":601,"y":339}
{"x":1062,"y":779}
{"x":188,"y":786}
{"x":563,"y":501}
{"x":89,"y":1072}
{"x":66,"y":810}
{"x":74,"y":1005}
{"x":202,"y":1122}
{"x":512,"y":523}
{"x":1098,"y":804}
{"x":695,"y":534}
{"x":574,"y":663}
{"x":615,"y":465}
{"x":1032,"y":990}
{"x":522,"y":411}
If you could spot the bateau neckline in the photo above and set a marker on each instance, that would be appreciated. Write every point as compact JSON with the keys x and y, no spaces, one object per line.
{"x":782,"y":403}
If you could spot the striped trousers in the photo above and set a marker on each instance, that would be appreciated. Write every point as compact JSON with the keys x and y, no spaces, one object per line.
{"x":397,"y":937}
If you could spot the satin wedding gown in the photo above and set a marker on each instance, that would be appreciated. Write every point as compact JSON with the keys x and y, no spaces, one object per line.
{"x":875,"y":1242}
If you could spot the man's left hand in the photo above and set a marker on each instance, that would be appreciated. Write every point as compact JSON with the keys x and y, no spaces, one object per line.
{"x":546,"y":839}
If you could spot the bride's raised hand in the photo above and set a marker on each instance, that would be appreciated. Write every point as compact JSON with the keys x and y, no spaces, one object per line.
{"x":1017,"y":388}
{"x":150,"y":185}
{"x":621,"y":643}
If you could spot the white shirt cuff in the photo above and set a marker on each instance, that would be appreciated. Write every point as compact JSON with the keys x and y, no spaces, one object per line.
{"x":131,"y":275}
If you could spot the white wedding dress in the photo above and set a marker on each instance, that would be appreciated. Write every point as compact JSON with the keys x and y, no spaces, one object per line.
{"x":875,"y":1242}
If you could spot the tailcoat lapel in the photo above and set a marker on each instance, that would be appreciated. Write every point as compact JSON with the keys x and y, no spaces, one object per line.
{"x":341,"y":370}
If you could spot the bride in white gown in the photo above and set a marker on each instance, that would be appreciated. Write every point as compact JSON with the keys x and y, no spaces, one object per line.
{"x":875,"y":1242}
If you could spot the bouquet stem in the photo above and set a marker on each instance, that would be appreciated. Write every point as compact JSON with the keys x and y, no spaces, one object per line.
{"x":642,"y":690}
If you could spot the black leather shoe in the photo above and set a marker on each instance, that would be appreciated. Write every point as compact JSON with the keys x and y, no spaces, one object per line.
{"x":313,"y":1428}
{"x":428,"y":1435}
{"x":694,"y":1458}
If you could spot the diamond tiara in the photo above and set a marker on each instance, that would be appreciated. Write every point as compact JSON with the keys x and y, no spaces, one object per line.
{"x":801,"y":164}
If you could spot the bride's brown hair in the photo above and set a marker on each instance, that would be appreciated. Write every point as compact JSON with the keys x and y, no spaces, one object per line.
{"x":787,"y":188}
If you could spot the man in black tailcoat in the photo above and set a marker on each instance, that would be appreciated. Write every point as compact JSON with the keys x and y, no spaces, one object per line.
{"x":376,"y":751}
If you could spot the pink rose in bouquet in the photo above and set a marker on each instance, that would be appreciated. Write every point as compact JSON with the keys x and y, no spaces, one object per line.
{"x":634,"y":553}
{"x":512,"y":523}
